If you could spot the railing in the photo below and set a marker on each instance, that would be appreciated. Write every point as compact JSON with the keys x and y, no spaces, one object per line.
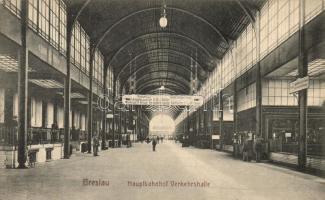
{"x":44,"y":136}
{"x":279,"y":146}
{"x":313,"y":149}
{"x":12,"y":6}
{"x":8,"y":136}
{"x":35,"y":136}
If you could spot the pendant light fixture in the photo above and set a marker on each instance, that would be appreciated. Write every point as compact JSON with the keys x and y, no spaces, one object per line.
{"x":163,"y":19}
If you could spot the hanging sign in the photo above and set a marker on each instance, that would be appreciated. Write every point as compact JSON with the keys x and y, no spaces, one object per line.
{"x":215,"y":137}
{"x":109,"y":116}
{"x":165,"y":100}
{"x":299,"y":84}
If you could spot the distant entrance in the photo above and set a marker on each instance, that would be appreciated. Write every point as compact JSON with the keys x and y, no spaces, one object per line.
{"x":161,"y":125}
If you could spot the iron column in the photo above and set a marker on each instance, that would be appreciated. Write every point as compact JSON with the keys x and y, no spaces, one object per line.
{"x":23,"y":87}
{"x":302,"y":94}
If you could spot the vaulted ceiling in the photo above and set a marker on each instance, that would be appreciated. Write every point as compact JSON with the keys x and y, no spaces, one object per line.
{"x":198,"y":33}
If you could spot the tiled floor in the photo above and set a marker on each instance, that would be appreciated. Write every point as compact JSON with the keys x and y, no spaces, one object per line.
{"x":222,"y":177}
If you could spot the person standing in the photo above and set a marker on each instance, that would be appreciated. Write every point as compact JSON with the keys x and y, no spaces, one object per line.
{"x":154,"y":143}
{"x":95,"y":145}
{"x":54,"y":129}
{"x":128,"y":140}
{"x":258,"y":149}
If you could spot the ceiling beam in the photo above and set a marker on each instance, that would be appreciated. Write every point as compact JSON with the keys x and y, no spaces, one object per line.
{"x":109,"y":29}
{"x":79,"y":11}
{"x":155,"y":63}
{"x":150,"y":51}
{"x":247,"y":12}
{"x":170,"y":86}
{"x":185,"y":87}
{"x":143,"y":76}
{"x":176,"y":78}
{"x":166,"y":90}
{"x":160,"y":34}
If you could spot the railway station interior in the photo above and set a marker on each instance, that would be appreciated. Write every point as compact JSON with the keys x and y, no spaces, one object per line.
{"x":232,"y":92}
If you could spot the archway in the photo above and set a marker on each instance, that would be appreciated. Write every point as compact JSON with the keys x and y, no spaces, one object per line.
{"x":161,"y":125}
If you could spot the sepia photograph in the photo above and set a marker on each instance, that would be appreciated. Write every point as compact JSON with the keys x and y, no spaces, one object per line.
{"x":162,"y":99}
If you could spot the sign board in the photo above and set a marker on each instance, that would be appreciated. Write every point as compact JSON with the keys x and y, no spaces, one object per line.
{"x":215,"y":137}
{"x":299,"y":84}
{"x":287,"y":134}
{"x":215,"y":115}
{"x":250,"y":135}
{"x":133,"y":137}
{"x":163,"y":100}
{"x":109,"y":116}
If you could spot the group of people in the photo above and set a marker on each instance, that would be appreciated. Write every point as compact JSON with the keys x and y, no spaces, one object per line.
{"x":250,"y":146}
